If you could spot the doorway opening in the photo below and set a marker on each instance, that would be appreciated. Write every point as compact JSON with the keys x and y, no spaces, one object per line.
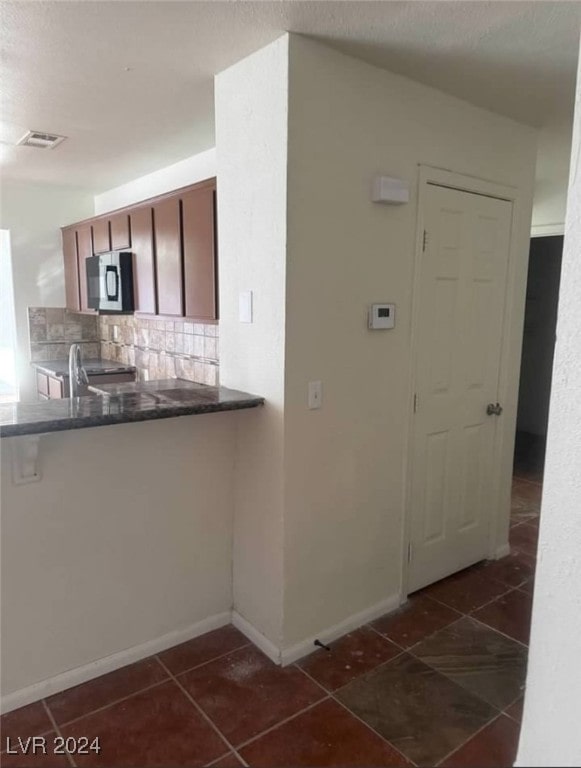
{"x":8,"y":384}
{"x":540,"y":325}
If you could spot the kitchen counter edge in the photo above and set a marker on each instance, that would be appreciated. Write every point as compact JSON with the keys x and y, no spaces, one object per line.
{"x":97,"y":411}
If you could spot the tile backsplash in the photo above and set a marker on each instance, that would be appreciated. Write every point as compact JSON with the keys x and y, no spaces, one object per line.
{"x":52,"y":331}
{"x":161,"y":348}
{"x":158,"y":348}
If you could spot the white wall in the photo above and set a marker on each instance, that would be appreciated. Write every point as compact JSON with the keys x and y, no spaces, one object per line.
{"x":34,"y":214}
{"x":345,"y":464}
{"x":343,"y":467}
{"x":127,"y":537}
{"x":551,"y":178}
{"x":189,"y":171}
{"x":251,"y":137}
{"x":550,"y":734}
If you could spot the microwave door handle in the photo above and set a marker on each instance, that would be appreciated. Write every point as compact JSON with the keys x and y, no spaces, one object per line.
{"x":112,"y":296}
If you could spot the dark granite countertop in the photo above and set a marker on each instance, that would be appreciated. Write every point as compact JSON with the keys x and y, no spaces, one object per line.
{"x":163,"y":399}
{"x":156,"y":386}
{"x":93,"y":366}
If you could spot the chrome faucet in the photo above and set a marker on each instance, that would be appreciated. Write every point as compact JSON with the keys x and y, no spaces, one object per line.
{"x":77,"y":374}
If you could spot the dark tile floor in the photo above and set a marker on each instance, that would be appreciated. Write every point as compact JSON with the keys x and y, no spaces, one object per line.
{"x":439,"y":682}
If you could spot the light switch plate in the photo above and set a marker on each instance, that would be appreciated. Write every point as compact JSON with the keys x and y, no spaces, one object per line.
{"x":245,"y":307}
{"x":315,"y":395}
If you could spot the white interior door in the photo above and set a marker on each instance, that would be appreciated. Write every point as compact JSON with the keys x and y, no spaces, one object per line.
{"x":460,"y":320}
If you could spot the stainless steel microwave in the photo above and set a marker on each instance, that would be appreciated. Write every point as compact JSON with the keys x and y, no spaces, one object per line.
{"x":110,"y":282}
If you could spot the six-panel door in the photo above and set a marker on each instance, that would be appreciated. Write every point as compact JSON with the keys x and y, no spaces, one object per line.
{"x":462,"y":289}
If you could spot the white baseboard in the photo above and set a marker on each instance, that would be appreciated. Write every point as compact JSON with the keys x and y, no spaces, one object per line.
{"x":501,"y":551}
{"x":110,"y":663}
{"x":72,"y":677}
{"x":256,"y":637}
{"x":304,"y":647}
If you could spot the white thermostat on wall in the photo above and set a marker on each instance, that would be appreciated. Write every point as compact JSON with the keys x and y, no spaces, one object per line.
{"x":381,"y":316}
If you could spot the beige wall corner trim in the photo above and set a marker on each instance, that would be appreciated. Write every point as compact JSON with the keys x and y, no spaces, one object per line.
{"x":548,"y":230}
{"x":100,"y":667}
{"x":256,"y":637}
{"x":304,"y":647}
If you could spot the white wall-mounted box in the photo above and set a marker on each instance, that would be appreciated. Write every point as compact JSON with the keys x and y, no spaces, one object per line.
{"x":386,"y":189}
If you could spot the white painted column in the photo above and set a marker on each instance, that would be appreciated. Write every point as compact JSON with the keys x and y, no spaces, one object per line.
{"x":251,"y":140}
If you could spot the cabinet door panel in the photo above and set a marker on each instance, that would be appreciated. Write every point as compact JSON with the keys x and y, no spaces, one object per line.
{"x":166,"y":217}
{"x":55,"y":388}
{"x":120,"y":233}
{"x":199,"y":253}
{"x":71,"y":269}
{"x":101,"y":237}
{"x":84,"y":250}
{"x":143,"y":260}
{"x":42,"y":383}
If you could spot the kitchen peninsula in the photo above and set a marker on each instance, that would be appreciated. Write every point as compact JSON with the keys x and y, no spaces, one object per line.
{"x":121,"y":403}
{"x":122,"y":538}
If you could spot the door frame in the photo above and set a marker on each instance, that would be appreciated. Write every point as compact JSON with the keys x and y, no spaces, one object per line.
{"x":508,"y":380}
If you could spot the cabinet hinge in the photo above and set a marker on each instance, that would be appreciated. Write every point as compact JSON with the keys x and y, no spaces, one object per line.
{"x":415,"y":403}
{"x":424,"y":241}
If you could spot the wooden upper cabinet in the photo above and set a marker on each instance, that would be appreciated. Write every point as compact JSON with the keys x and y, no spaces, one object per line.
{"x":199,"y":253}
{"x":84,"y":250}
{"x":71,"y":269}
{"x":166,"y":218}
{"x":143,"y":260}
{"x":101,"y":236}
{"x":120,"y":232}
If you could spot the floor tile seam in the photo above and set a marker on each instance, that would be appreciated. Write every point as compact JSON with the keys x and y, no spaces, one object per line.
{"x":202,"y":663}
{"x":450,"y":679}
{"x":497,"y":710}
{"x":451,"y":624}
{"x":286,"y":720}
{"x":508,"y":588}
{"x":205,"y":716}
{"x":500,"y":632}
{"x":449,"y":607}
{"x":458,"y":748}
{"x":386,"y":637}
{"x":112,"y":703}
{"x":468,"y":613}
{"x":425,"y":637}
{"x":58,"y":731}
{"x":334,"y":698}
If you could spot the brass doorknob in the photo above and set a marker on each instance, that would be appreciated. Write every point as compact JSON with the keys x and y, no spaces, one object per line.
{"x":494,"y":409}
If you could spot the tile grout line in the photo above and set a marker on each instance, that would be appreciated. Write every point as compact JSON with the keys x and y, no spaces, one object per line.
{"x":203,"y":714}
{"x":139,"y":690}
{"x":500,"y":632}
{"x":463,"y":744}
{"x":58,"y":731}
{"x":376,"y":733}
{"x":286,"y":720}
{"x":113,"y":702}
{"x":203,"y":663}
{"x":385,"y":637}
{"x":331,"y":695}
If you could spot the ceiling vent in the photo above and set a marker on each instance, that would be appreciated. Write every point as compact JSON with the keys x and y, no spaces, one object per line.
{"x":40,"y":140}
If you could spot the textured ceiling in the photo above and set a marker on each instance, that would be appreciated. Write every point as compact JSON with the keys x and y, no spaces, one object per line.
{"x":130,"y":83}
